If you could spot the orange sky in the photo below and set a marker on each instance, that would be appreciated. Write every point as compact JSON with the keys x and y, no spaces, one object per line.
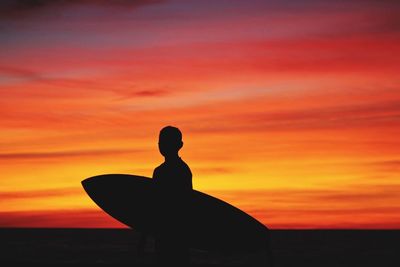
{"x":289,"y":110}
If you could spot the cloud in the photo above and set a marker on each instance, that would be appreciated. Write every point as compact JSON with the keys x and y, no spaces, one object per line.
{"x":358,"y":206}
{"x":388,"y":163}
{"x":54,"y":192}
{"x":132,"y":93}
{"x":371,"y":207}
{"x":12,"y":75}
{"x":18,"y":72}
{"x":59,"y":218}
{"x":214,"y":170}
{"x":65,"y":154}
{"x":18,"y":8}
{"x":374,"y":198}
{"x":9,"y":5}
{"x":390,"y":166}
{"x":345,"y":116}
{"x":153,"y":92}
{"x":361,"y":199}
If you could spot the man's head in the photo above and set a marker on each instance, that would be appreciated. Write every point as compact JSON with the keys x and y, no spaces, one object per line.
{"x":170,"y":141}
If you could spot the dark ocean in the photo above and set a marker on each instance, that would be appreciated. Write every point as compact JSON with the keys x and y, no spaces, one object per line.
{"x":110,"y":247}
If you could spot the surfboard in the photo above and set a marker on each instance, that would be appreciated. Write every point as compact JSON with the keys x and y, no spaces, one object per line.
{"x":213,"y":224}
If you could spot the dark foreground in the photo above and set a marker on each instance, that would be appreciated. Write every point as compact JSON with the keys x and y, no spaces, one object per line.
{"x":109,"y":247}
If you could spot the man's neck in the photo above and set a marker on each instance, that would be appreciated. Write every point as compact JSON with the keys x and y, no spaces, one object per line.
{"x":172,"y":158}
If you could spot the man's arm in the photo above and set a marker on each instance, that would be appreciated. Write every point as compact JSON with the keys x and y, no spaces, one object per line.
{"x":189,"y":179}
{"x":155,"y":174}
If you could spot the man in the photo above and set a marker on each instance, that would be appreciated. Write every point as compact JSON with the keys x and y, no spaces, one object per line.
{"x":173,"y":180}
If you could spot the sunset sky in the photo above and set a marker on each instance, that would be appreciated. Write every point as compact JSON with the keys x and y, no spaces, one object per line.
{"x":290,"y":110}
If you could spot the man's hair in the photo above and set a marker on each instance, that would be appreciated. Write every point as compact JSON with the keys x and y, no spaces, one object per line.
{"x":171,"y":134}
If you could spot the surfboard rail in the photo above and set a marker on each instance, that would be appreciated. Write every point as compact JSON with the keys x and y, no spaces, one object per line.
{"x":212,"y":223}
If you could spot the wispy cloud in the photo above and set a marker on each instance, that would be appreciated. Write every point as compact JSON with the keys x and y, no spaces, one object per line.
{"x":66,"y":154}
{"x":329,"y":199}
{"x":19,"y":73}
{"x":340,"y":116}
{"x":362,"y":206}
{"x":59,"y":219}
{"x":44,"y":193}
{"x":133,"y":93}
{"x":292,"y":118}
{"x":17,"y":8}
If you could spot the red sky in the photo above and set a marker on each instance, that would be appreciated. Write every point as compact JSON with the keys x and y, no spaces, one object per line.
{"x":290,"y":110}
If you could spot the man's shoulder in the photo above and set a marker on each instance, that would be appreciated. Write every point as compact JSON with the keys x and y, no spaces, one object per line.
{"x":185,"y":166}
{"x":159,"y":168}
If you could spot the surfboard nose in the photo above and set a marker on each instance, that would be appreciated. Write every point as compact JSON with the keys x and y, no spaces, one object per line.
{"x":86,"y":184}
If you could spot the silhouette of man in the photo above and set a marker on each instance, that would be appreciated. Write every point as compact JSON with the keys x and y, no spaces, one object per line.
{"x":173,"y":180}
